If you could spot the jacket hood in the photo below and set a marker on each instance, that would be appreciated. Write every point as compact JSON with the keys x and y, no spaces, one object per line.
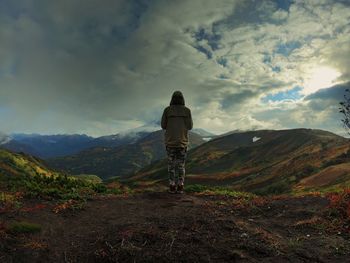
{"x":177,"y":98}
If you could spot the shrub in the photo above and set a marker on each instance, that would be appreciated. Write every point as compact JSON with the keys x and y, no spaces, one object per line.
{"x":229,"y":192}
{"x":342,"y":158}
{"x":99,"y":188}
{"x":193,"y":188}
{"x":50,"y":187}
{"x":217,"y":190}
{"x":307,"y":171}
{"x":340,"y":204}
{"x":274,"y":189}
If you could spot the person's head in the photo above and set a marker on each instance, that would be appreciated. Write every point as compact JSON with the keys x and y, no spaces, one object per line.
{"x":177,"y":98}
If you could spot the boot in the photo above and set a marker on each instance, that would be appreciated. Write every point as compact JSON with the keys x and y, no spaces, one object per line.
{"x":172,"y":188}
{"x":180,"y":188}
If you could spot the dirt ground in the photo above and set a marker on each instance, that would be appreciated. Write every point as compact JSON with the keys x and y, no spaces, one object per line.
{"x":163,"y":227}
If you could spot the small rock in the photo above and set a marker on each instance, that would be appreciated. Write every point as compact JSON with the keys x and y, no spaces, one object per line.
{"x":244,"y":235}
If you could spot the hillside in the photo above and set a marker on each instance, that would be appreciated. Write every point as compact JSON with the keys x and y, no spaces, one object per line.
{"x":19,"y":164}
{"x":48,"y":217}
{"x":278,"y":162}
{"x":22,"y":175}
{"x":16,"y":146}
{"x":119,"y":161}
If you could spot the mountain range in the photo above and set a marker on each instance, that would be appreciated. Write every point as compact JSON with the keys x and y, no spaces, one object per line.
{"x":118,"y":161}
{"x":59,"y":145}
{"x":260,"y":161}
{"x":264,"y":161}
{"x":50,"y":146}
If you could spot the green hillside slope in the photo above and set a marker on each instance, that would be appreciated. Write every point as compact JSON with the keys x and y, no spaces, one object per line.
{"x":19,"y":164}
{"x":28,"y":176}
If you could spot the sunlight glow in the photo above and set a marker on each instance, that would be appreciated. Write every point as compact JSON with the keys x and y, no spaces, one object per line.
{"x":320,"y":78}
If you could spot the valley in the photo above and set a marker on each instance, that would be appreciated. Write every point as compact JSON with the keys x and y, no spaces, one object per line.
{"x":285,"y":195}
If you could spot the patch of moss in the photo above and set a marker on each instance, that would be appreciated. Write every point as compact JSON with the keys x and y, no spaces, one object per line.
{"x":194,"y":188}
{"x":24,"y":227}
{"x":217,"y":190}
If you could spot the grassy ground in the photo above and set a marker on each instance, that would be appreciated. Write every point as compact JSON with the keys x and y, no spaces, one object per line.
{"x":203,"y":225}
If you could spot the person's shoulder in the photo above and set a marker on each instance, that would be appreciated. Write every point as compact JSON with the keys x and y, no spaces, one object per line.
{"x":187,"y":109}
{"x":166,"y":108}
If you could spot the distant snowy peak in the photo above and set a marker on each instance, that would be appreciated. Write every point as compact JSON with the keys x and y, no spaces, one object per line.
{"x":4,"y":138}
{"x":203,"y":132}
{"x":152,"y":127}
{"x":141,"y":129}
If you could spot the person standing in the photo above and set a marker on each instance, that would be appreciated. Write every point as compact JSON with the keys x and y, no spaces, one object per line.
{"x":176,"y":121}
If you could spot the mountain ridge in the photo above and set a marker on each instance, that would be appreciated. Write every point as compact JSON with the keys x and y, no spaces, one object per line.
{"x":281,"y":157}
{"x":118,"y":161}
{"x":59,"y":145}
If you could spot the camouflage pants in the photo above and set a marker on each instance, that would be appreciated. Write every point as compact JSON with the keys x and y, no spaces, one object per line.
{"x":176,"y":164}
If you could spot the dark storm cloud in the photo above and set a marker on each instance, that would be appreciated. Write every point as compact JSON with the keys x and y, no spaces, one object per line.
{"x":231,"y":100}
{"x":65,"y":54}
{"x":328,"y":97}
{"x":335,"y":93}
{"x":103,"y":66}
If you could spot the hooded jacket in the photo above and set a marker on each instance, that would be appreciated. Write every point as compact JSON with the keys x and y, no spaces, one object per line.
{"x":176,"y":121}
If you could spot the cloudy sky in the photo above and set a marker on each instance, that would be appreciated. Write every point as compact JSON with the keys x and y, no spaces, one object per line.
{"x":103,"y":66}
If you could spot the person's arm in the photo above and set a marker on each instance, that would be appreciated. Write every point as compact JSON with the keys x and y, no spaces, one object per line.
{"x":188,"y":120}
{"x":164,"y":119}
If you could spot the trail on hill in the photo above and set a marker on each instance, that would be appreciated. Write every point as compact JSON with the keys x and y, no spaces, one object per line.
{"x":162,"y":227}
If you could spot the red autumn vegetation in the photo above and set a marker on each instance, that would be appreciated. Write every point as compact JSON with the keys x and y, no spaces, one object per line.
{"x":339,"y":203}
